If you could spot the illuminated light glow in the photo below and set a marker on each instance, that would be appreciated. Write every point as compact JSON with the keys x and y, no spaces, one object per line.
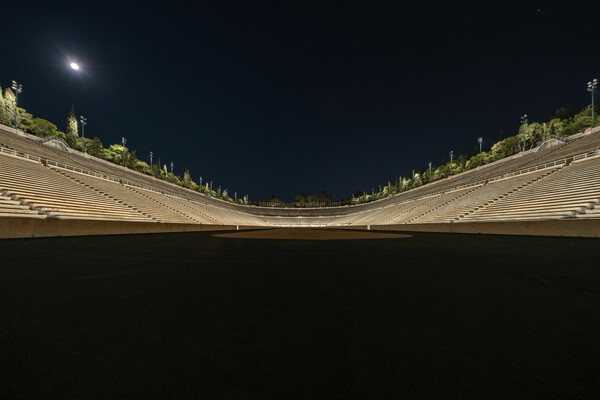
{"x":75,"y":66}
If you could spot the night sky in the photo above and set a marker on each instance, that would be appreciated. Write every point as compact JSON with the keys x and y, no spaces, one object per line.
{"x":289,"y":97}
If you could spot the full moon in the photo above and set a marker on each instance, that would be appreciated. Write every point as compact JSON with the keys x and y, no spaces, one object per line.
{"x":75,"y":66}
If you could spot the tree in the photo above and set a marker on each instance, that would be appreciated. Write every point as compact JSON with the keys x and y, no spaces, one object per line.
{"x":581,"y":121}
{"x":275,"y":201}
{"x":320,"y":199}
{"x":40,"y":127}
{"x":507,"y":147}
{"x":3,"y":119}
{"x":9,"y":106}
{"x":24,"y":119}
{"x":72,"y":134}
{"x":535,"y":133}
{"x":95,"y":147}
{"x":418,"y":181}
{"x":155,"y":169}
{"x":115,"y":153}
{"x":563,"y":113}
{"x":188,"y":182}
{"x":300,"y":200}
{"x":139,"y":166}
{"x":171,"y":177}
{"x":131,"y":160}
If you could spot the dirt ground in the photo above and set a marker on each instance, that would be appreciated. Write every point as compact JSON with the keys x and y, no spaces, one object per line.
{"x":199,"y":315}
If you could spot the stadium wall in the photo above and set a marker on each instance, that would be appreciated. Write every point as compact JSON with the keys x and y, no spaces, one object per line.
{"x":29,"y":228}
{"x":572,"y":228}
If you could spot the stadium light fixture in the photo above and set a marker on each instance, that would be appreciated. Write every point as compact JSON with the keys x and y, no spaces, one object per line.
{"x":151,"y":155}
{"x":451,"y":156}
{"x":123,"y":142}
{"x":18,"y":88}
{"x":591,"y":86}
{"x":524,"y":122}
{"x":83,"y":124}
{"x":480,"y":141}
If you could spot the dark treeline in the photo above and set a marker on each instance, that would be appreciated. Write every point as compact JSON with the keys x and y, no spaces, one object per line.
{"x":321,"y":199}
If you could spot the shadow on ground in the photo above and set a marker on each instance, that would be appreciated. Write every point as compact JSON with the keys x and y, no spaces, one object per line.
{"x":196,"y":315}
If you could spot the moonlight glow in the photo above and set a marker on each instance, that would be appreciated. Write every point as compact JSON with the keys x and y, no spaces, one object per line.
{"x":75,"y":66}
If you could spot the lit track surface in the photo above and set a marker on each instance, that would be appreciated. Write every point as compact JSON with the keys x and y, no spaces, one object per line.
{"x":200,"y":316}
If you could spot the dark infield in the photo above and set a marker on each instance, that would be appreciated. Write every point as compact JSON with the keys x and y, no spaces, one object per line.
{"x":197,"y":316}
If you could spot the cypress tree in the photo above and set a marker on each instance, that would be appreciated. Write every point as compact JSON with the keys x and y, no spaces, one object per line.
{"x":72,"y":134}
{"x":9,"y":106}
{"x":2,"y":108}
{"x":187,"y":181}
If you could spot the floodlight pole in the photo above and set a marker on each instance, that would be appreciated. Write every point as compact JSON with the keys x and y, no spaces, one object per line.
{"x":171,"y":166}
{"x":451,"y":156}
{"x":591,"y":87}
{"x":18,"y":88}
{"x":83,"y":124}
{"x":151,"y":155}
{"x":524,"y":122}
{"x":430,"y":169}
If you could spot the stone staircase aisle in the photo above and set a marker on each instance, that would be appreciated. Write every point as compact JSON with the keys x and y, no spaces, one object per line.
{"x":565,"y":193}
{"x":81,"y":180}
{"x":482,"y":195}
{"x":424,"y":207}
{"x":13,"y":207}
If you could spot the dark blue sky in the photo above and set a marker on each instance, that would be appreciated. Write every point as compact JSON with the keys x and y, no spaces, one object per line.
{"x":289,"y":97}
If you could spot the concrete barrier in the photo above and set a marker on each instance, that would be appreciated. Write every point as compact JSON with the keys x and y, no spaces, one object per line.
{"x":570,"y":227}
{"x":26,"y":227}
